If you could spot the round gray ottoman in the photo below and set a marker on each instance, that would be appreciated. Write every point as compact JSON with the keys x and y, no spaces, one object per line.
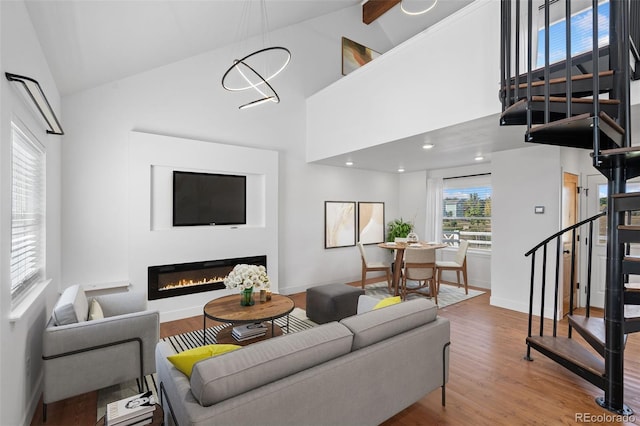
{"x":332,"y":302}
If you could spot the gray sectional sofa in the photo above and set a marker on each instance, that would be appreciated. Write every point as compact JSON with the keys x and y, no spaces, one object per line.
{"x":359,"y":371}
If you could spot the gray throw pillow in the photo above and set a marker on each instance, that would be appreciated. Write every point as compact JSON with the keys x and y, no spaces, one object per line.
{"x":72,"y":306}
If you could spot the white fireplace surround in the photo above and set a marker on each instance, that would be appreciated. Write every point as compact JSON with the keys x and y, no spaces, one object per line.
{"x":152,"y":239}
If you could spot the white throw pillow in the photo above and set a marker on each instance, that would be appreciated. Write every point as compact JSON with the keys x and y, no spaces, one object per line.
{"x":95,"y":310}
{"x":72,"y":306}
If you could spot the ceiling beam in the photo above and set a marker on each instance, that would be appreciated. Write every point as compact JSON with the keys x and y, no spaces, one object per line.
{"x":373,"y":9}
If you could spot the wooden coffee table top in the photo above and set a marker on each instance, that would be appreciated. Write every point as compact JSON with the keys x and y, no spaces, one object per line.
{"x":228,"y":309}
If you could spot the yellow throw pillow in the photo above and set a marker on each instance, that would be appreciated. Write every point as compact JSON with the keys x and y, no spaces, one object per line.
{"x":387,"y":302}
{"x":184,"y":361}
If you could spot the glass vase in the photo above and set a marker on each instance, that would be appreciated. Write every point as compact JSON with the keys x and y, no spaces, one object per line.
{"x":246,"y":297}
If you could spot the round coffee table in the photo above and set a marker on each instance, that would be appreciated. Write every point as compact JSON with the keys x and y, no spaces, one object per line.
{"x":228,"y":310}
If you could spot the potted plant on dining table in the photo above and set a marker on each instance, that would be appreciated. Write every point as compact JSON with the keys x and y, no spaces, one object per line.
{"x":398,"y":228}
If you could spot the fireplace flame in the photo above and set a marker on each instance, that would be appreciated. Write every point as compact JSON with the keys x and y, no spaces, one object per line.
{"x":191,"y":283}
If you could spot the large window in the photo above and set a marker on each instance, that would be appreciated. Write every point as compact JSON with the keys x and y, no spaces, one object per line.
{"x":466,"y":211}
{"x":27,"y":212}
{"x":581,"y":33}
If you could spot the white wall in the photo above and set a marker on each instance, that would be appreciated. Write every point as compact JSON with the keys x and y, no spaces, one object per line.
{"x":406,"y":91}
{"x":184,"y":100}
{"x":21,"y":348}
{"x":154,"y":241}
{"x":522,"y":180}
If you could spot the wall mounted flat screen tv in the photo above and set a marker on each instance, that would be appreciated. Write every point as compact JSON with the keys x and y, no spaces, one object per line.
{"x":209,"y":199}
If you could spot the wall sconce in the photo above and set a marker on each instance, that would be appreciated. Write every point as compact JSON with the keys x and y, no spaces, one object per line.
{"x":33,"y":89}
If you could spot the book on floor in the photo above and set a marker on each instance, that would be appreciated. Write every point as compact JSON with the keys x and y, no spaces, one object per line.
{"x":141,"y":420}
{"x":138,"y":407}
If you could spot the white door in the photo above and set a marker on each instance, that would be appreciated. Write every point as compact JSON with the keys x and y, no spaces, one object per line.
{"x":597,"y":202}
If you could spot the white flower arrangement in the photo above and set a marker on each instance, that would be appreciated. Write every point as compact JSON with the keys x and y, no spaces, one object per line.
{"x":244,"y":277}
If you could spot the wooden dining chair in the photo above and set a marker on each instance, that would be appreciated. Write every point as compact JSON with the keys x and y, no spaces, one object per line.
{"x":419,"y":266}
{"x":373,"y":267}
{"x":459,"y":265}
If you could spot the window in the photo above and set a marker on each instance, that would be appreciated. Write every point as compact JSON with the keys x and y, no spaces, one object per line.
{"x":466,"y":211}
{"x":602,"y":206}
{"x":581,"y":34}
{"x":27,"y":212}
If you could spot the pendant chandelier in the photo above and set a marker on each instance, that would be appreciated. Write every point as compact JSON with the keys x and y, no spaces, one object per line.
{"x":255,"y":70}
{"x":406,"y":7}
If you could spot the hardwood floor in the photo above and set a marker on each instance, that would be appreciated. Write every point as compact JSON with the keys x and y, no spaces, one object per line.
{"x":489,"y":381}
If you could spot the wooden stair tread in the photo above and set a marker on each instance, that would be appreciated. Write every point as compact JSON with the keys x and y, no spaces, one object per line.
{"x":517,"y":113}
{"x":626,"y":195}
{"x":577,"y":131}
{"x":592,"y":325}
{"x":570,"y":350}
{"x":575,"y":100}
{"x":591,"y":329}
{"x":627,"y":157}
{"x":560,"y":80}
{"x":606,"y":119}
{"x":624,"y":150}
{"x":629,"y":227}
{"x":632,"y":259}
{"x":575,"y":120}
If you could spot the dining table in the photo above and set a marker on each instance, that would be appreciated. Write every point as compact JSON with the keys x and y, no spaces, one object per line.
{"x":400,"y":247}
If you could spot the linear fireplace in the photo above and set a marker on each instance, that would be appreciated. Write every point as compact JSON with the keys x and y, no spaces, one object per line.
{"x":195,"y":277}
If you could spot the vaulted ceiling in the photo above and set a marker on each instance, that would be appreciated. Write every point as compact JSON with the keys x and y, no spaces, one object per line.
{"x":92,"y":42}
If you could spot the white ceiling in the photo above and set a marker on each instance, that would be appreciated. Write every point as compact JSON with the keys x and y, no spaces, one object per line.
{"x":453,"y":146}
{"x":92,"y":42}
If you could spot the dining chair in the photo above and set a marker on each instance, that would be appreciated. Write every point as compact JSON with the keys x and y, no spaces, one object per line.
{"x":420,"y":266}
{"x":459,"y":264}
{"x":373,"y":267}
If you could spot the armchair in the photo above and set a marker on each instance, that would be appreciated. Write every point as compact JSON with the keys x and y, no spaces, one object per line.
{"x":82,"y":355}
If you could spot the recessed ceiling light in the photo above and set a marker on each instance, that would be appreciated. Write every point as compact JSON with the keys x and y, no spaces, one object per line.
{"x":349,"y":163}
{"x":427,"y":146}
{"x":479,"y":158}
{"x":400,"y":170}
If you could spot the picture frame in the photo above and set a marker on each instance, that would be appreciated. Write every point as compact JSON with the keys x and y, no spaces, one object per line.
{"x":371,"y":222}
{"x":355,"y":55}
{"x":339,"y":224}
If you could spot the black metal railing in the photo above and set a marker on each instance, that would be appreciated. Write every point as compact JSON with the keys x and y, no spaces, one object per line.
{"x":517,"y":38}
{"x":558,"y":237}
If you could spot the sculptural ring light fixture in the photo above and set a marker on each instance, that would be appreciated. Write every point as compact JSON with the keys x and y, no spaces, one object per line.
{"x":256,"y":69}
{"x":35,"y":93}
{"x":250,"y":78}
{"x":406,"y":7}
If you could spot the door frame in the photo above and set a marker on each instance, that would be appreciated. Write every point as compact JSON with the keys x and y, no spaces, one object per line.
{"x":567,"y":219}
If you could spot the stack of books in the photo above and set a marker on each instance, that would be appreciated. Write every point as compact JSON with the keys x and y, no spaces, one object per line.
{"x":135,"y":410}
{"x":249,"y":331}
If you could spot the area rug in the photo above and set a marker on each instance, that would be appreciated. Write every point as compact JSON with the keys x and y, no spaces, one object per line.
{"x":448,"y":294}
{"x":298,"y":321}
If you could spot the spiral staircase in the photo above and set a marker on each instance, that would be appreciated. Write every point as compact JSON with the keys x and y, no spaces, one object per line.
{"x":582,"y":101}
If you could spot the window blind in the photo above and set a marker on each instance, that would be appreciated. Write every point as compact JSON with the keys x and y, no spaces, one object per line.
{"x":466,"y":211}
{"x":27,"y":212}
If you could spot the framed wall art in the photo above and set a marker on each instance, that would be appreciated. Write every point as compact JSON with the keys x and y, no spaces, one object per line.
{"x":339,"y":224}
{"x":355,"y":55}
{"x":370,"y":222}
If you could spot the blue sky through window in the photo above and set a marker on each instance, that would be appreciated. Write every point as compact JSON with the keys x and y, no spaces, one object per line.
{"x":581,"y":35}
